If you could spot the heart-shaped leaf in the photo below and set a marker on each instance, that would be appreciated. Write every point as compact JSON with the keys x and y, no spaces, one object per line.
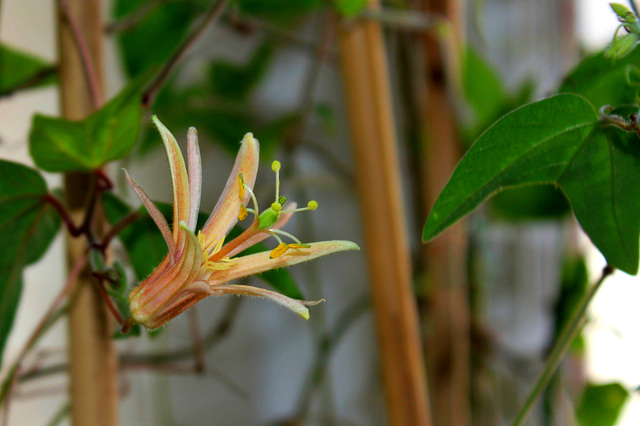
{"x":557,"y":141}
{"x":28,"y":224}
{"x":602,"y":80}
{"x":59,"y":145}
{"x":19,"y":70}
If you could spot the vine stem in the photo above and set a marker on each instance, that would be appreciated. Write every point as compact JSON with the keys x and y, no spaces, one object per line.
{"x":210,"y":16}
{"x":85,"y":57}
{"x":567,"y":336}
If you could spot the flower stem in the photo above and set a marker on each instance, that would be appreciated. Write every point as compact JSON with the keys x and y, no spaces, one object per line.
{"x":567,"y":336}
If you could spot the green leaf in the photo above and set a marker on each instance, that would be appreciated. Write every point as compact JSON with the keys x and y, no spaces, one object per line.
{"x":557,"y":141}
{"x":28,"y":224}
{"x":349,"y":7}
{"x":226,"y":127}
{"x":59,"y":145}
{"x":537,"y":202}
{"x":601,"y":404}
{"x":156,"y":36}
{"x":483,"y":89}
{"x":19,"y":70}
{"x":281,"y":12}
{"x":147,"y":248}
{"x":573,"y":285}
{"x":272,"y":134}
{"x":328,"y":119}
{"x":602,"y":80}
{"x":235,"y":82}
{"x":486,"y":95}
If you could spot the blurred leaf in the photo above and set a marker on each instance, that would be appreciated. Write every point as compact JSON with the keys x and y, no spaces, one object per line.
{"x":225,"y":126}
{"x":349,"y":7}
{"x":573,"y":285}
{"x":327,"y":118}
{"x":28,"y":225}
{"x":153,"y":39}
{"x":486,"y":95}
{"x":19,"y":70}
{"x":59,"y":145}
{"x":601,"y":404}
{"x":602,"y":80}
{"x":281,"y":12}
{"x":272,"y":134}
{"x":234,"y":82}
{"x":142,"y":239}
{"x":147,"y":248}
{"x":483,"y":89}
{"x":558,"y":141}
{"x":537,"y":202}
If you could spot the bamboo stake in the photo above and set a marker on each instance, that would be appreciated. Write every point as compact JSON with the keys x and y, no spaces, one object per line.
{"x":446,"y":313}
{"x":93,"y":375}
{"x":369,"y":105}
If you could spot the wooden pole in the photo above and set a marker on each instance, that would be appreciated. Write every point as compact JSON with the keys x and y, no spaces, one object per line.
{"x":366,"y":85}
{"x":446,"y":314}
{"x":93,"y":363}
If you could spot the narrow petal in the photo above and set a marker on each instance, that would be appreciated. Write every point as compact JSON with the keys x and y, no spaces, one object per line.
{"x":282,"y":220}
{"x":260,"y":262}
{"x":155,"y":214}
{"x":195,"y":176}
{"x":225,"y":214}
{"x":294,"y":305}
{"x":179,"y":177}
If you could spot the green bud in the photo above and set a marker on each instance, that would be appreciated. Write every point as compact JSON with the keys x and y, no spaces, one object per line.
{"x":268,"y":218}
{"x":621,"y":47}
{"x":620,"y":10}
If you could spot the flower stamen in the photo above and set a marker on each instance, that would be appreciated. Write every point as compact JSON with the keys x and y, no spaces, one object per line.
{"x":275,"y":166}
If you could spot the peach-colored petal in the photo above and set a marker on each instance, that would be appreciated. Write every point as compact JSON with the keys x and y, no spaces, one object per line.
{"x":152,"y":297}
{"x":282,"y":220}
{"x":195,"y":176}
{"x":225,"y":214}
{"x":260,"y":262}
{"x":179,"y":179}
{"x":297,"y":306}
{"x":155,"y":214}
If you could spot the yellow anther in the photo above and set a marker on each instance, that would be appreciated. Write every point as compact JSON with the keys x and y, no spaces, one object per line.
{"x":276,"y":207}
{"x":299,"y":246}
{"x":279,"y":251}
{"x":242,"y":214}
{"x":275,"y":166}
{"x":312,"y":205}
{"x":241,"y":189}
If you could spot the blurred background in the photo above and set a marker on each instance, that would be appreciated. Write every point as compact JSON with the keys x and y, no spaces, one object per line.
{"x":491,"y":294}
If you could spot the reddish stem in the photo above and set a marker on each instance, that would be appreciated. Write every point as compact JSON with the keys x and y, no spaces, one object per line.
{"x":85,"y":57}
{"x":116,"y":229}
{"x":64,"y":215}
{"x":107,"y":299}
